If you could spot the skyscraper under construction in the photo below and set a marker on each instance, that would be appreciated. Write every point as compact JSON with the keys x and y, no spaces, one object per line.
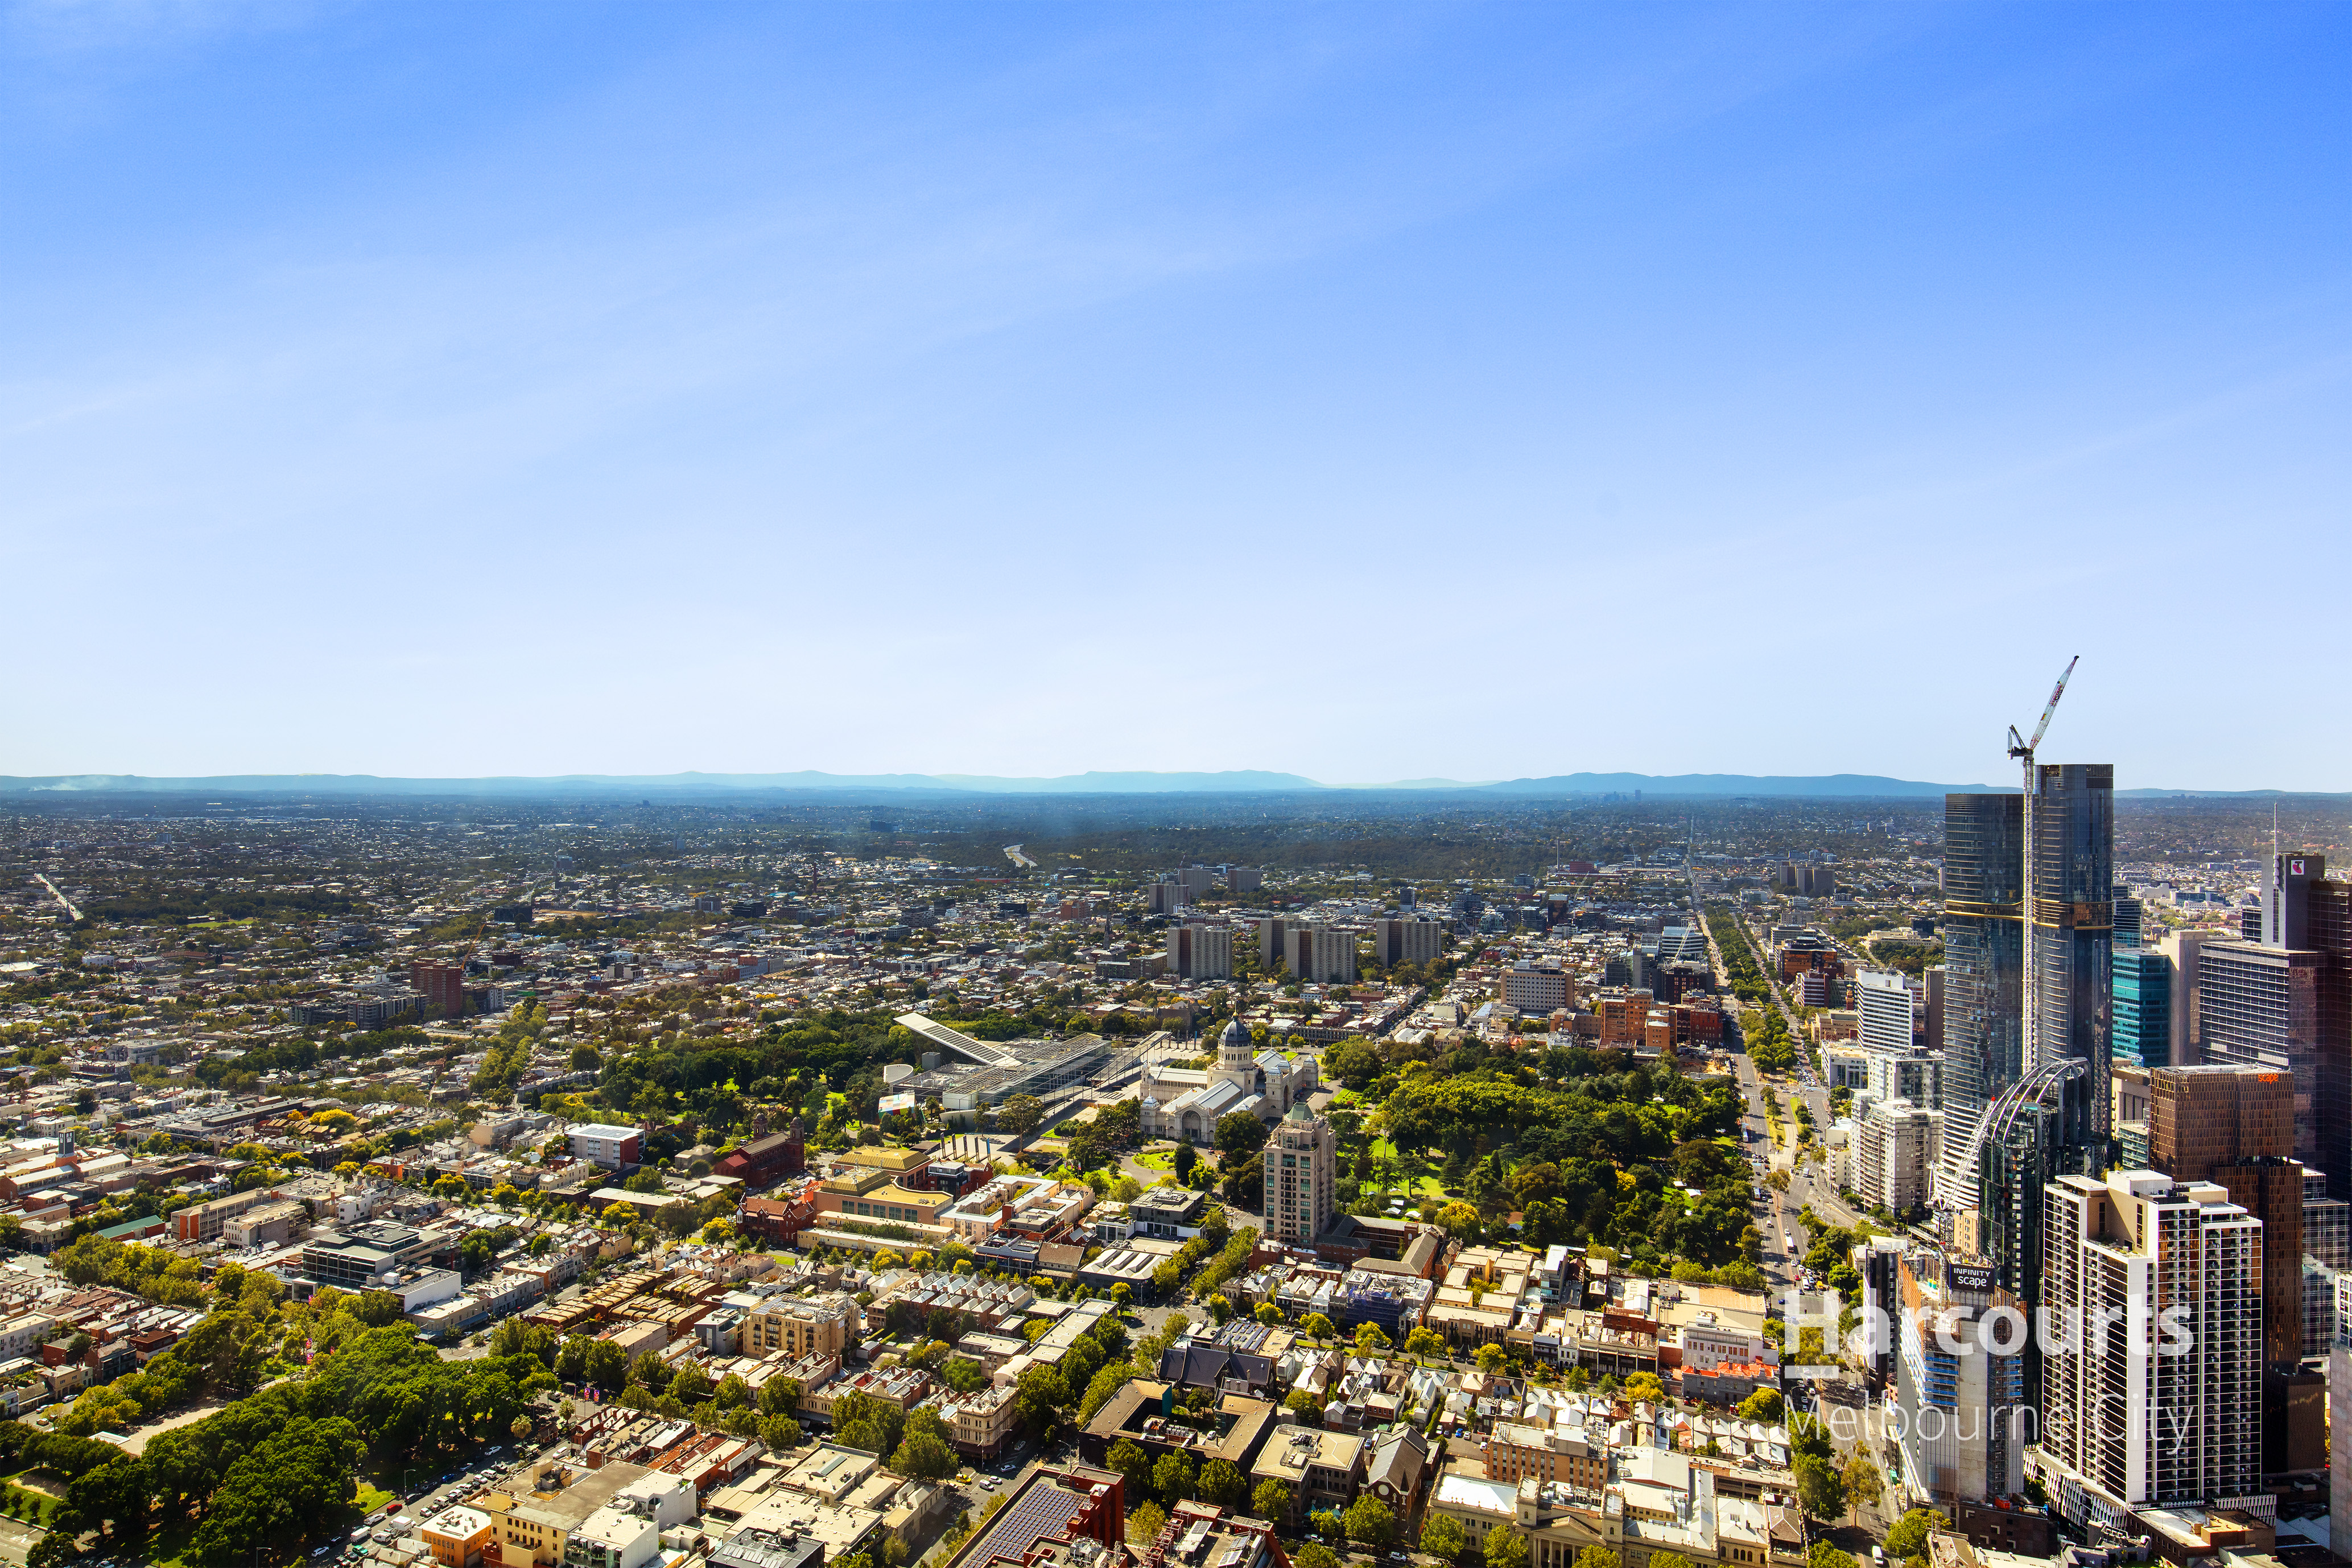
{"x":2069,"y":820}
{"x":1984,"y":968}
{"x":2028,"y":922}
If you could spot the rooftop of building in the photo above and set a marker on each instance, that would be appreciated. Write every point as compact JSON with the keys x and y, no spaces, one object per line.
{"x":1289,"y":1450}
{"x":1043,"y":1506}
{"x":1167,"y":1204}
{"x":832,"y":1471}
{"x":1202,"y":1535}
{"x":876,"y":1157}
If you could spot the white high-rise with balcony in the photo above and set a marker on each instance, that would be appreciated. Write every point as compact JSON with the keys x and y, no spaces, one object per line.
{"x":1895,"y":1148}
{"x":2150,"y":1410}
{"x":1886,"y":1009}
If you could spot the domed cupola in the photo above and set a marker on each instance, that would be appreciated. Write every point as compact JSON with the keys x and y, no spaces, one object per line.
{"x":1235,"y":1050}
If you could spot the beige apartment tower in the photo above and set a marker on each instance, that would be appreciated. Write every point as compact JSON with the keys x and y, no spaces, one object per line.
{"x":1302,"y":1169}
{"x":1201,"y":951}
{"x":1407,"y":940}
{"x":1323,"y":955}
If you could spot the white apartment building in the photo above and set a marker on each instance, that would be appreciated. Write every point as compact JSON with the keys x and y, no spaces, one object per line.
{"x":606,"y":1145}
{"x":1914,"y":1076}
{"x":1533,"y":988}
{"x":1895,"y":1147}
{"x":2128,"y":1425}
{"x":1886,"y":1011}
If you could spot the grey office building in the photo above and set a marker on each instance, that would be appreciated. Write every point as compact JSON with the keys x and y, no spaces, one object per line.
{"x":2259,"y":1008}
{"x":2279,"y":1003}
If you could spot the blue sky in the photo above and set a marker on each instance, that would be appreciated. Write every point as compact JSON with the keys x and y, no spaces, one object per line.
{"x":1362,"y":391}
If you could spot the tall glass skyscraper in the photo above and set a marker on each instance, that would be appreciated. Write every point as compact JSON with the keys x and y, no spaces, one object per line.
{"x":2028,"y":917}
{"x":1984,"y":967}
{"x":2069,"y":944}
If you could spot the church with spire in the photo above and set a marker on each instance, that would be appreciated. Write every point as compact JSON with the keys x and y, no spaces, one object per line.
{"x":1185,"y":1103}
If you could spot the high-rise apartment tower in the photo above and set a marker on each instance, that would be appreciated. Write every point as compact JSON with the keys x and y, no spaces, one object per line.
{"x":2135,"y":1418}
{"x":1301,"y":1176}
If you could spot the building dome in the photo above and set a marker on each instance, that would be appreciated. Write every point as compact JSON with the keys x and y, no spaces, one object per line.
{"x":1234,"y":1048}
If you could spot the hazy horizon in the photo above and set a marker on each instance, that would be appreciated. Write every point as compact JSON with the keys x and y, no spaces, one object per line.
{"x":1697,"y":785}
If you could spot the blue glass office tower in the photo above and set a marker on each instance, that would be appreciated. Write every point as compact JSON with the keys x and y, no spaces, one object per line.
{"x":2143,"y":1007}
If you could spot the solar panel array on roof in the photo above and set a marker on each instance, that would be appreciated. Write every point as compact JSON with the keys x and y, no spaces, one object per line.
{"x":1044,"y":1509}
{"x":1243,"y":1334}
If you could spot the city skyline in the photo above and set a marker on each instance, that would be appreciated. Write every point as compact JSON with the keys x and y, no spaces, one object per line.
{"x":627,"y":389}
{"x":1568,"y":1097}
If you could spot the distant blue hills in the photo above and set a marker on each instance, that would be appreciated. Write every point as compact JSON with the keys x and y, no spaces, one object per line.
{"x":1859,"y":786}
{"x":1813,"y":786}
